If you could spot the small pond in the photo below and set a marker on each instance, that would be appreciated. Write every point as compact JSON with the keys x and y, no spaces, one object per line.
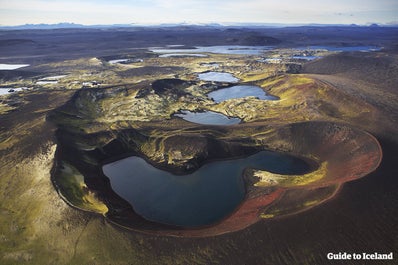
{"x":200,"y":198}
{"x":118,"y":61}
{"x":240,"y":92}
{"x":54,"y":77}
{"x":10,"y":90}
{"x":182,"y":55}
{"x":308,"y":58}
{"x":50,"y":80}
{"x":5,"y":66}
{"x":218,"y":77}
{"x":46,"y":82}
{"x":125,"y":61}
{"x":207,"y":118}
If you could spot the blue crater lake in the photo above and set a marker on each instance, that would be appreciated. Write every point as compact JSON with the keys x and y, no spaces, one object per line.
{"x":240,"y":91}
{"x":201,"y":198}
{"x":207,"y":118}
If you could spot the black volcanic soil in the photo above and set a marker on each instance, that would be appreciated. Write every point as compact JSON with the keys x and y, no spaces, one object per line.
{"x":378,"y":68}
{"x":8,"y":75}
{"x":162,"y":85}
{"x":149,"y":71}
{"x":372,"y":77}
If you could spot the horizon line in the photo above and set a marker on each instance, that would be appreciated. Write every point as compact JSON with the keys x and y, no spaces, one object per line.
{"x":184,"y":23}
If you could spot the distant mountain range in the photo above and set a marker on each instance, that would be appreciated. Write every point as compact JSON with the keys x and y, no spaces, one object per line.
{"x":66,"y":25}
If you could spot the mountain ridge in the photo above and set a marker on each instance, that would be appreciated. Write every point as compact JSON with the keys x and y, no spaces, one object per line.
{"x":66,"y":25}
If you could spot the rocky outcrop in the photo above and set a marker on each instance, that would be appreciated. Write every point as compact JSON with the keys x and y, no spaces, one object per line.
{"x":172,"y":85}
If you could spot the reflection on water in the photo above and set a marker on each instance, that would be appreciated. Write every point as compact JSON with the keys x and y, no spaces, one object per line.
{"x":218,"y":77}
{"x":308,"y":58}
{"x":182,"y":55}
{"x":240,"y":92}
{"x":46,"y":82}
{"x":5,"y":66}
{"x":10,"y":90}
{"x":125,"y":61}
{"x":118,"y":61}
{"x":50,"y":80}
{"x":207,"y":118}
{"x":200,"y":198}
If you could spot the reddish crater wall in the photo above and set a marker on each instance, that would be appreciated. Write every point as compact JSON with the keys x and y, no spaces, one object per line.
{"x":350,"y":154}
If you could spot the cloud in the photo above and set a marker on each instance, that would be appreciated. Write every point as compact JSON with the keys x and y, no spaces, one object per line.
{"x":60,"y":6}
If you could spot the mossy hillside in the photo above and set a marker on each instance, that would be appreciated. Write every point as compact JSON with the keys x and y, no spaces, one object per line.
{"x":75,"y":190}
{"x":315,"y":99}
{"x":269,"y":179}
{"x":4,"y":108}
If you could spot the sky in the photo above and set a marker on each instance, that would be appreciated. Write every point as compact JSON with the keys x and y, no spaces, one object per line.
{"x":92,"y":12}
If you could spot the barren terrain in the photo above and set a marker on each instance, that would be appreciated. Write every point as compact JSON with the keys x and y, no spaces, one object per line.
{"x":338,"y":111}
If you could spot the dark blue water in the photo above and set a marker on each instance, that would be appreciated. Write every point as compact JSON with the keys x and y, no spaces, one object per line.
{"x":201,"y":198}
{"x":207,"y":118}
{"x":240,"y":92}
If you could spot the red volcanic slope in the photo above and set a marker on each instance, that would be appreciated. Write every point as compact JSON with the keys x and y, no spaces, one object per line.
{"x":350,"y":154}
